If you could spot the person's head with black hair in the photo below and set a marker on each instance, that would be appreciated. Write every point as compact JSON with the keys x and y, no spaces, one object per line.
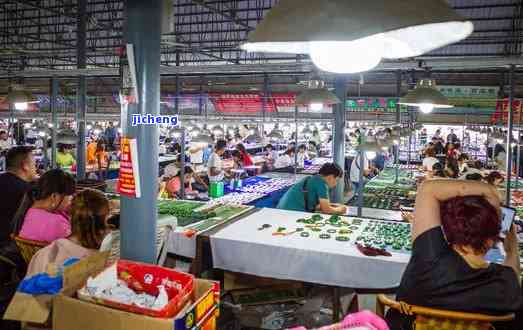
{"x":241,"y":148}
{"x":290,"y":151}
{"x":331,"y":173}
{"x":237,"y":156}
{"x":54,"y":191}
{"x":3,"y":135}
{"x":187,"y":175}
{"x":494,"y":178}
{"x":269,"y":147}
{"x":463,"y":158}
{"x":452,"y":168}
{"x":179,"y":160}
{"x":177,"y":147}
{"x":437,"y":170}
{"x":20,"y":162}
{"x":168,"y":141}
{"x":64,"y":148}
{"x":302,"y":148}
{"x":220,"y":146}
{"x":498,"y":149}
{"x":474,"y":177}
{"x":313,"y":144}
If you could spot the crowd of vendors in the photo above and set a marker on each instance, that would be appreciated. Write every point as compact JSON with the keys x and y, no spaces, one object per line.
{"x":455,"y":223}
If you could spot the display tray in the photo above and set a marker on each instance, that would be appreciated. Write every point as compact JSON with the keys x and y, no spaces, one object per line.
{"x":382,"y":202}
{"x":184,"y":211}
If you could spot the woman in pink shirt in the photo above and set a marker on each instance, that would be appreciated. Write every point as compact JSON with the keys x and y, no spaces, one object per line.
{"x":47,"y":219}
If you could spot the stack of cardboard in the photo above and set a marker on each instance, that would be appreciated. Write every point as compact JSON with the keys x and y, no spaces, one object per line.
{"x":66,"y":312}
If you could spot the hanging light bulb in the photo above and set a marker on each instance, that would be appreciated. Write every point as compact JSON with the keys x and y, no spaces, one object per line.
{"x":21,"y":106}
{"x":316,"y":106}
{"x":353,"y":36}
{"x":370,"y":155}
{"x":316,"y":96}
{"x":331,"y":56}
{"x":426,"y":107}
{"x":426,"y":97}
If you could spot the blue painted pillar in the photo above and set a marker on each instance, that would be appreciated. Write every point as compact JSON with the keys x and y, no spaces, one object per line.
{"x":54,"y":118}
{"x":510,"y":127}
{"x":338,"y":141}
{"x":138,"y":224}
{"x":82,"y":89}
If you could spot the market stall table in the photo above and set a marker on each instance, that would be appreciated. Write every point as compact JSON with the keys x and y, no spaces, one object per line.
{"x":375,"y":213}
{"x":244,"y":247}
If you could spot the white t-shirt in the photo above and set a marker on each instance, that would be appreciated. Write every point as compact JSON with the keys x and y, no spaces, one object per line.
{"x":5,"y":144}
{"x":215,"y":161}
{"x":162,"y":149}
{"x":355,"y":168}
{"x":171,"y":170}
{"x":428,"y":162}
{"x":196,"y":157}
{"x":283,"y":161}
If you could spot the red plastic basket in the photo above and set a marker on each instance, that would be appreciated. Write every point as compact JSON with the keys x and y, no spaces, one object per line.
{"x":146,"y":278}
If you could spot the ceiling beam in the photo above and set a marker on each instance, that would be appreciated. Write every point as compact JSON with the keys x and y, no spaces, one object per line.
{"x":231,"y":18}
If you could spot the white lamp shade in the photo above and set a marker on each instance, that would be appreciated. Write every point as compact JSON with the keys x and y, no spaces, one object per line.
{"x":378,"y":28}
{"x":424,"y":95}
{"x":316,"y":96}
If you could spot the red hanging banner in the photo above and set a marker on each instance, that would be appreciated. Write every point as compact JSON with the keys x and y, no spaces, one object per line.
{"x":129,"y":178}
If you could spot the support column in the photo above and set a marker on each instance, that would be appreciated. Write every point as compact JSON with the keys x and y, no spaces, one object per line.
{"x":138,"y":224}
{"x":510,"y":125}
{"x":54,"y":118}
{"x":396,"y":147}
{"x":177,"y":96}
{"x":81,"y":92}
{"x":265,"y":100}
{"x":338,"y":141}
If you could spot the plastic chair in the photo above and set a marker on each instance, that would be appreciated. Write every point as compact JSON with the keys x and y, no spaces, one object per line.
{"x":28,"y":248}
{"x":112,"y":242}
{"x":432,"y":319}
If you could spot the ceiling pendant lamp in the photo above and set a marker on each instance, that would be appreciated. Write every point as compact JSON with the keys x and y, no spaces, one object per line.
{"x":349,"y":36}
{"x":426,"y":97}
{"x":19,"y":97}
{"x":316,"y":96}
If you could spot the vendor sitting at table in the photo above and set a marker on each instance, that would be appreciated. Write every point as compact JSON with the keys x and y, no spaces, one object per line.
{"x":174,"y":186}
{"x":312,"y":193}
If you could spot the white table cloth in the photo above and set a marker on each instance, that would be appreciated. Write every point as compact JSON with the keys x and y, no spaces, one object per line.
{"x":241,"y":247}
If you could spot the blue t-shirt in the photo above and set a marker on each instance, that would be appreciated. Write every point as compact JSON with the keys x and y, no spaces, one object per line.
{"x":294,"y":200}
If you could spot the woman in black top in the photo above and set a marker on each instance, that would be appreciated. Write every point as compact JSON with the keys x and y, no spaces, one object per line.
{"x":455,"y":224}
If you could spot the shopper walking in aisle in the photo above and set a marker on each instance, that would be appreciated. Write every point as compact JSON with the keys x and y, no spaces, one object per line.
{"x":354,"y":174}
{"x":455,"y":224}
{"x":102,"y":159}
{"x":500,"y":157}
{"x":15,"y":183}
{"x":45,"y":218}
{"x":452,"y":137}
{"x":110,"y":135}
{"x":312,"y":193}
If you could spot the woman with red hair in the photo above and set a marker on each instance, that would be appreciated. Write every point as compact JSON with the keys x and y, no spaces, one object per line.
{"x":455,"y":224}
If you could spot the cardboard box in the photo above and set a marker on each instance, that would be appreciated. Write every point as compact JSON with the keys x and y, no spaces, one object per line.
{"x":70,"y":313}
{"x":37,"y":309}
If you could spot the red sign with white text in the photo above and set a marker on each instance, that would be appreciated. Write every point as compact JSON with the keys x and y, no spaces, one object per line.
{"x":129,"y":178}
